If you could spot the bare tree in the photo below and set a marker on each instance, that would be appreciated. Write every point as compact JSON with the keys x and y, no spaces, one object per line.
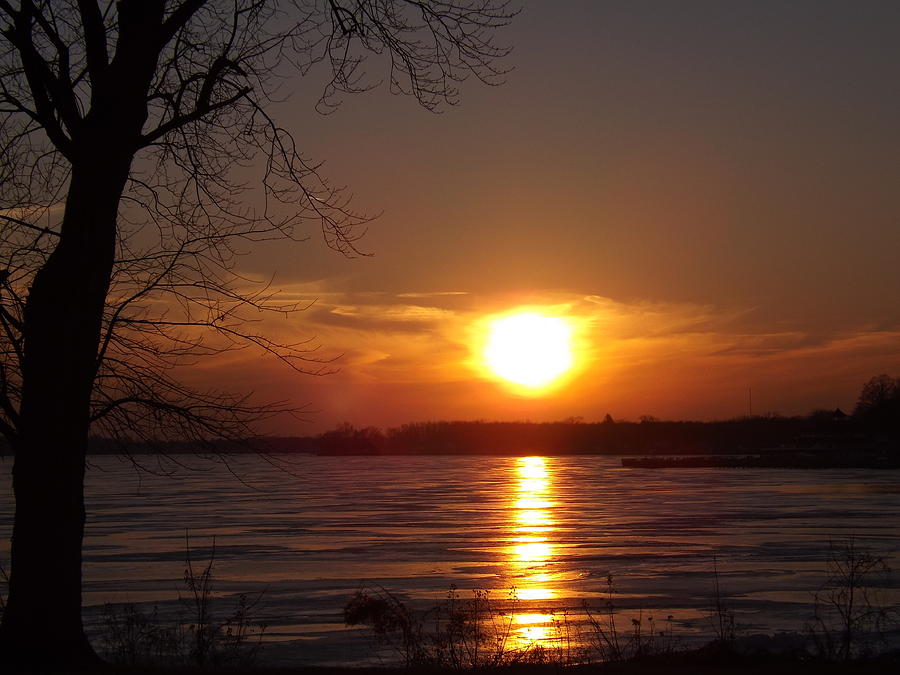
{"x":850,"y":612}
{"x":878,"y":405}
{"x":127,"y":131}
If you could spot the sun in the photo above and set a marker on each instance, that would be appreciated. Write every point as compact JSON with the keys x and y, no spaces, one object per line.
{"x":529,"y":349}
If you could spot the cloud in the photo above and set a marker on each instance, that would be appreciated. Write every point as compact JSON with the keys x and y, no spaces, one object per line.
{"x":380,"y":317}
{"x":435,"y":294}
{"x":415,"y":355}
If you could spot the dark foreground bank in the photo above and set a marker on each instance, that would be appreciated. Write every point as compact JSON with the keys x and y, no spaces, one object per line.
{"x":700,"y":662}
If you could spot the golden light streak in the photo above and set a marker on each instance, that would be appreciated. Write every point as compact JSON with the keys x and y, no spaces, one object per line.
{"x":533,"y":520}
{"x":532,"y":468}
{"x":525,"y":619}
{"x":534,"y":552}
{"x":536,"y":485}
{"x":532,"y":503}
{"x":532,"y":549}
{"x":535,"y":593}
{"x":536,"y":634}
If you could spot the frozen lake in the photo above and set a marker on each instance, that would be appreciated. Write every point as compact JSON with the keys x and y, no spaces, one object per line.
{"x":311,"y":532}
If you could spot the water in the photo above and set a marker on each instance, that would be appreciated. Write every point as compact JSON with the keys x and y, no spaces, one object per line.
{"x":548,"y":531}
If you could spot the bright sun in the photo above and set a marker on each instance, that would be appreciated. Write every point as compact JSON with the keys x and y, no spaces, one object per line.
{"x":529,"y":349}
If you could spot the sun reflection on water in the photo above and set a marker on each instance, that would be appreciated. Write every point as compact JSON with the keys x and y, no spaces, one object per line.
{"x":532,"y":552}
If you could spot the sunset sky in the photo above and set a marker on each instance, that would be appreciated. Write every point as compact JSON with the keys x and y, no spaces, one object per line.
{"x":709,"y":191}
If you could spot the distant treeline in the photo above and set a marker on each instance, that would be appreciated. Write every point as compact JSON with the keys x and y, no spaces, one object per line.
{"x":608,"y":437}
{"x":873,"y":425}
{"x":829,"y":430}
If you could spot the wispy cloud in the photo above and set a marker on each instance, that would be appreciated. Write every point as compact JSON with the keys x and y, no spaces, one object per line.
{"x":411,"y":355}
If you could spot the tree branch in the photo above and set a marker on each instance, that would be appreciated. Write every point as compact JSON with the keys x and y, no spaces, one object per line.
{"x":42,"y":82}
{"x":30,"y":226}
{"x":94,"y":39}
{"x":178,"y":19}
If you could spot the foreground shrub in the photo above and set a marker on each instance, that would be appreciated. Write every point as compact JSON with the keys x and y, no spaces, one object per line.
{"x":851,"y":616}
{"x":196,"y":637}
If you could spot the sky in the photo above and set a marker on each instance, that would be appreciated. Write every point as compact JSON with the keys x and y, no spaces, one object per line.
{"x":706,"y":190}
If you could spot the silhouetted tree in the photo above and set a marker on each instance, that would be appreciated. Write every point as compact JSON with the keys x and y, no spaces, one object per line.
{"x":127,"y":131}
{"x":878,"y":405}
{"x":348,"y":439}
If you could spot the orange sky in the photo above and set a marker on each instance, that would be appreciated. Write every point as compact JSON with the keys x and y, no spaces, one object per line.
{"x":710,"y":189}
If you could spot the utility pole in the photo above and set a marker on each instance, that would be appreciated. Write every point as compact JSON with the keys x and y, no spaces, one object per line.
{"x":749,"y":401}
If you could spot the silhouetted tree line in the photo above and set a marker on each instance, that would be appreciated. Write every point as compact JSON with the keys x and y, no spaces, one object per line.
{"x":878,"y":406}
{"x":568,"y":437}
{"x":873,"y":425}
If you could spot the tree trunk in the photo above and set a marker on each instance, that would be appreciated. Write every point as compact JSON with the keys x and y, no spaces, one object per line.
{"x":42,"y":625}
